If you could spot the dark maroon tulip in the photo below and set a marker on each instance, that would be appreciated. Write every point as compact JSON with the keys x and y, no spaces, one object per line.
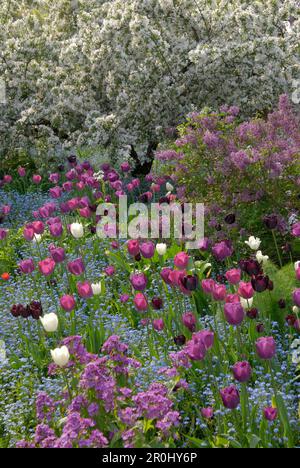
{"x":251,"y":267}
{"x":290,"y":320}
{"x":230,"y":218}
{"x":271,"y":221}
{"x":180,"y":340}
{"x":260,"y":283}
{"x":157,"y":303}
{"x":260,"y":328}
{"x":252,"y":313}
{"x":190,"y":282}
{"x":282,"y":304}
{"x":36,"y":310}
{"x":270,"y":285}
{"x":72,"y":159}
{"x":17,"y":310}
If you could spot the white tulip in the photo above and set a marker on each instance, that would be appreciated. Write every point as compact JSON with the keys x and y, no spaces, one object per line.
{"x":60,"y":356}
{"x":169,"y":187}
{"x":50,"y":322}
{"x":296,"y":310}
{"x":96,"y":287}
{"x":297,"y":265}
{"x":253,"y":242}
{"x":261,"y":258}
{"x":37,"y":239}
{"x":246,"y":303}
{"x":77,"y":230}
{"x":161,"y":249}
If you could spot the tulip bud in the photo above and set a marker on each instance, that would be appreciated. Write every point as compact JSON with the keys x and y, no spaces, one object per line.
{"x":77,"y":230}
{"x":50,"y":322}
{"x":60,"y":356}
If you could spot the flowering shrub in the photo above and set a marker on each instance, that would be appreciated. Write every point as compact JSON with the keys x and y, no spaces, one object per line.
{"x":247,"y":173}
{"x":113,"y":76}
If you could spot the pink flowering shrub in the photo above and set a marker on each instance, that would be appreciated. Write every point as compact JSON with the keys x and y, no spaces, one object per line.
{"x":242,"y":171}
{"x":99,"y":407}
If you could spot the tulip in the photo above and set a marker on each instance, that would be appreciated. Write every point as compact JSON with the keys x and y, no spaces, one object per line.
{"x":76,"y":267}
{"x":139,"y":281}
{"x":189,"y":321}
{"x":55,"y":192}
{"x":21,"y":171}
{"x":157,"y":303}
{"x":234,"y":313}
{"x":96,"y":288}
{"x":270,"y":413}
{"x":189,"y":282}
{"x":165,"y":275}
{"x":35,"y":309}
{"x":246,"y":303}
{"x":296,"y":230}
{"x":195,"y":350}
{"x":77,"y":230}
{"x":158,"y":324}
{"x":266,"y":347}
{"x":230,"y":397}
{"x":26,"y":266}
{"x":206,"y":337}
{"x":60,"y":356}
{"x":36,"y":179}
{"x":222,"y":250}
{"x":233,"y":276}
{"x":125,"y":167}
{"x":253,"y":243}
{"x":7,"y":179}
{"x":38,"y":227}
{"x":207,"y":413}
{"x":133,"y":247}
{"x":297,"y":273}
{"x":140,"y":302}
{"x":296,"y":297}
{"x":47,"y":266}
{"x":56,"y":229}
{"x":28,"y":233}
{"x":251,"y":267}
{"x":271,"y":221}
{"x":84,"y":289}
{"x":5,"y":276}
{"x":50,"y":322}
{"x":3,"y":233}
{"x":261,"y":258}
{"x":181,"y":260}
{"x":232,"y":298}
{"x":208,"y":285}
{"x":253,"y":314}
{"x":245,"y":290}
{"x":180,"y":340}
{"x":68,"y":303}
{"x":242,"y":371}
{"x":57,"y":254}
{"x":260,"y":283}
{"x":110,"y":270}
{"x":219,"y":292}
{"x":54,"y":178}
{"x":147,"y":249}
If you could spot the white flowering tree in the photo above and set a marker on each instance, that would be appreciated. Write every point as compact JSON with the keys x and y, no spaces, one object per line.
{"x":115,"y":74}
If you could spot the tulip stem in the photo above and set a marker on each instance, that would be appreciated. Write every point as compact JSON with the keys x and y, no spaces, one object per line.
{"x":277,"y":249}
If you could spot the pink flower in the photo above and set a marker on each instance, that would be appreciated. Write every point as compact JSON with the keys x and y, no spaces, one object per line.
{"x":296,"y":230}
{"x":3,"y":233}
{"x":7,"y":179}
{"x":266,"y":347}
{"x":27,"y":266}
{"x":242,"y":371}
{"x":207,"y":413}
{"x":110,"y":270}
{"x":139,"y":281}
{"x":208,"y":285}
{"x":206,"y":337}
{"x":47,"y":266}
{"x":147,"y":249}
{"x":233,"y":276}
{"x":84,"y":289}
{"x":189,"y":321}
{"x":196,"y":350}
{"x":76,"y":267}
{"x":234,"y":313}
{"x":296,"y":297}
{"x":158,"y":324}
{"x":38,"y":227}
{"x":28,"y":233}
{"x":21,"y":171}
{"x":54,"y":178}
{"x":68,"y":303}
{"x":219,"y":292}
{"x":181,"y":260}
{"x":133,"y":247}
{"x":140,"y":302}
{"x":230,"y":397}
{"x":55,"y":192}
{"x":232,"y":298}
{"x":246,"y":290}
{"x":270,"y":413}
{"x":36,"y":179}
{"x":222,"y":250}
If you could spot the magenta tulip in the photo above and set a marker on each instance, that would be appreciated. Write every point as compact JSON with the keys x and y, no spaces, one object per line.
{"x":68,"y":303}
{"x":158,"y":324}
{"x":76,"y":267}
{"x":270,"y":413}
{"x":140,"y":302}
{"x":147,"y":249}
{"x":138,"y":281}
{"x":242,"y":371}
{"x":266,"y":347}
{"x":246,"y":290}
{"x":296,"y":297}
{"x":230,"y":397}
{"x":181,"y":260}
{"x":84,"y":289}
{"x":234,"y":313}
{"x":47,"y":266}
{"x":189,"y":321}
{"x":27,"y":266}
{"x":233,"y":276}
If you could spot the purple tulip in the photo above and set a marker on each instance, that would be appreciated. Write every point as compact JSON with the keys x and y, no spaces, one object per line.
{"x":266,"y":347}
{"x":139,"y":281}
{"x":84,"y":289}
{"x":57,"y":253}
{"x":158,"y":324}
{"x":56,"y":229}
{"x":230,"y":397}
{"x":3,"y":233}
{"x":270,"y":413}
{"x":76,"y":267}
{"x":222,"y":250}
{"x":27,"y":266}
{"x":234,"y":313}
{"x":242,"y":371}
{"x":147,"y":249}
{"x":189,"y":321}
{"x":296,"y":297}
{"x":207,"y":413}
